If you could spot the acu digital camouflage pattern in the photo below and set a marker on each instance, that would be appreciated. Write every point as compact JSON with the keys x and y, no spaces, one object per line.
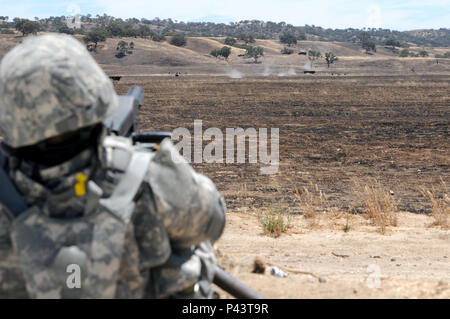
{"x":162,"y":249}
{"x":50,"y":85}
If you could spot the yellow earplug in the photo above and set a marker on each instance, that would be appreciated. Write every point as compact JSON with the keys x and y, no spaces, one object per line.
{"x":80,"y":186}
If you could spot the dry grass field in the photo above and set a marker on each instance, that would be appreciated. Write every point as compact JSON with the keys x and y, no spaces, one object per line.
{"x":358,"y":155}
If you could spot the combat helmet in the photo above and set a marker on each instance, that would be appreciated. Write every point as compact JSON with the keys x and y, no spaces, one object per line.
{"x":51,"y":85}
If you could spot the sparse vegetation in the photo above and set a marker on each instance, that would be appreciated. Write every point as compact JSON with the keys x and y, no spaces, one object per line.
{"x":178,"y":40}
{"x":254,"y":52}
{"x":158,"y":37}
{"x":27,"y":27}
{"x":65,"y":29}
{"x":311,"y":201}
{"x":346,"y":228}
{"x":6,"y":31}
{"x":404,"y":53}
{"x":378,"y":205}
{"x":367,"y":42}
{"x":287,"y":51}
{"x":230,"y":41}
{"x":446,"y":55}
{"x":124,"y":48}
{"x":392,"y":42}
{"x":288,"y":38}
{"x":330,"y":58}
{"x":247,"y":38}
{"x":313,"y":56}
{"x":95,"y":36}
{"x":440,"y":204}
{"x":223,"y":52}
{"x":275,"y":222}
{"x":258,"y":29}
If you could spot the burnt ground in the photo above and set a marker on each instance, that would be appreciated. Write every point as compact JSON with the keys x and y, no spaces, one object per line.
{"x":393,"y":129}
{"x":333,"y":131}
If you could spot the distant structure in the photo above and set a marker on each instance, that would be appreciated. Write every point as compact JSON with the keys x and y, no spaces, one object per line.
{"x":115,"y":78}
{"x":309,"y":72}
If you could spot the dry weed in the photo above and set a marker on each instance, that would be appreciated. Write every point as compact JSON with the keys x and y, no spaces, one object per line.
{"x":379,"y":205}
{"x":312,"y":201}
{"x":275,"y":221}
{"x":440,"y":204}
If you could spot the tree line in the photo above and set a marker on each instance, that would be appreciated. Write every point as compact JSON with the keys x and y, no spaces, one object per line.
{"x":257,"y":29}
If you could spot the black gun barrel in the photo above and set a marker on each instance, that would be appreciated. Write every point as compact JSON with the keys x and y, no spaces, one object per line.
{"x":233,"y":286}
{"x":150,"y":137}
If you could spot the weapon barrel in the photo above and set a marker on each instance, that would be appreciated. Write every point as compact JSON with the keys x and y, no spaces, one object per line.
{"x":233,"y":286}
{"x":137,"y":93}
{"x":150,"y":137}
{"x":124,"y":120}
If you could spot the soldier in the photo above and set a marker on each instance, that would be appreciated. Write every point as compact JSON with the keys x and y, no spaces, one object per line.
{"x":85,"y":215}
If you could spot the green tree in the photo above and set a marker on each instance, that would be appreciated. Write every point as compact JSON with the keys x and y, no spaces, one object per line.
{"x":330,"y":58}
{"x":223,"y":52}
{"x":95,"y":36}
{"x":215,"y":53}
{"x":27,"y":27}
{"x":65,"y":29}
{"x":254,"y":52}
{"x":313,"y":56}
{"x":367,"y":42}
{"x":230,"y":41}
{"x":404,"y":53}
{"x":423,"y":53}
{"x":115,"y":29}
{"x":392,"y":42}
{"x":144,"y":31}
{"x":124,"y":48}
{"x":301,"y":37}
{"x":178,"y":40}
{"x":288,"y":38}
{"x":246,"y":38}
{"x":158,"y":37}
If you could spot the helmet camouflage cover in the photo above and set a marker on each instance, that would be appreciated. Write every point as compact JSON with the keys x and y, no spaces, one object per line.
{"x":50,"y":85}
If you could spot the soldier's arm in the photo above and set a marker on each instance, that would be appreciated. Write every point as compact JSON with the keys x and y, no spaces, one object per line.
{"x":12,"y":284}
{"x":188,"y":204}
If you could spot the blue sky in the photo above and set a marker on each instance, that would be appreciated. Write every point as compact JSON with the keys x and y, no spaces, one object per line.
{"x":394,"y":14}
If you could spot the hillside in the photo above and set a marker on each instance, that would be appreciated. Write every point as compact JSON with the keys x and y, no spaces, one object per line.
{"x":256,"y":28}
{"x":161,"y":58}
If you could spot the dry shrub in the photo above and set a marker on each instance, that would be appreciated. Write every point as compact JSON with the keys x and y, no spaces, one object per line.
{"x":312,"y":201}
{"x":275,"y":222}
{"x":378,"y":204}
{"x":440,"y":204}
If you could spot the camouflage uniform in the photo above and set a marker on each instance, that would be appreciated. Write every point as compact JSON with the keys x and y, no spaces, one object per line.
{"x":137,"y":223}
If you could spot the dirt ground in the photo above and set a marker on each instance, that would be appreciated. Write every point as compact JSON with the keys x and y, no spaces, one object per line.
{"x":333,"y":132}
{"x":412,"y":261}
